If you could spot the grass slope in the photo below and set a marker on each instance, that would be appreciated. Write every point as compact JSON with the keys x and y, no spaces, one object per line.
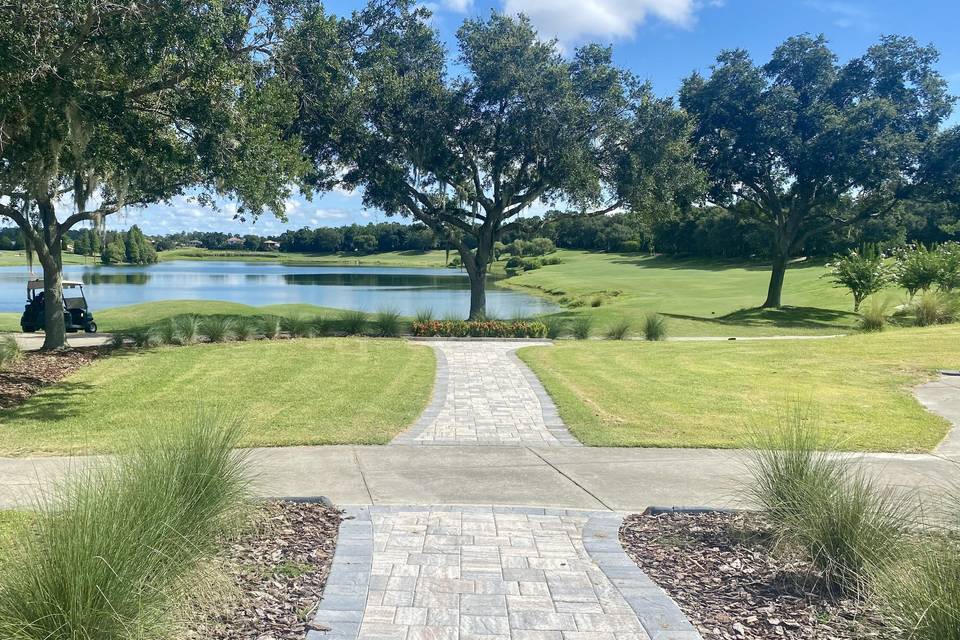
{"x":713,"y":394}
{"x":700,"y":297}
{"x":291,"y":392}
{"x":19,"y":258}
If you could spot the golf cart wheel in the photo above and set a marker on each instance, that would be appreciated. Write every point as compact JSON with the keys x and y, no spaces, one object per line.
{"x":91,"y":327}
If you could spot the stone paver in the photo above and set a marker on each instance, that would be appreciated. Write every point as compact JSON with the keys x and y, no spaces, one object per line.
{"x":484,"y":395}
{"x":942,"y":397}
{"x":493,"y":573}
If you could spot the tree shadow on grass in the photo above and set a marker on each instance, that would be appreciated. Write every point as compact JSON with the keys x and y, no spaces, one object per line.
{"x":56,"y":403}
{"x":702,"y":264}
{"x":784,"y":317}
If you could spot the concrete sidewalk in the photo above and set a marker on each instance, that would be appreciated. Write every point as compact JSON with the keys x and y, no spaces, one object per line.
{"x":34,"y":341}
{"x":575,"y":477}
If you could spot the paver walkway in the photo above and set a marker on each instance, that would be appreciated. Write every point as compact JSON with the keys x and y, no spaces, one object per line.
{"x":942,"y":396}
{"x":418,"y":573}
{"x":484,"y":395}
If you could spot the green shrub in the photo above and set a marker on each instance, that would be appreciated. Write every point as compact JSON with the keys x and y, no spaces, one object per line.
{"x":948,"y":263}
{"x":654,"y":327}
{"x":164,"y":332}
{"x":424,"y":315}
{"x":386,"y":323}
{"x":298,"y":326}
{"x":354,"y":322}
{"x":582,"y":327}
{"x":920,"y":595}
{"x":218,"y":328}
{"x":935,"y":307}
{"x":596,"y":301}
{"x":139,"y":337}
{"x":111,"y":554}
{"x":321,"y":326}
{"x":556,"y":327}
{"x":479,"y":329}
{"x":875,"y":316}
{"x":916,"y":269}
{"x":9,"y":351}
{"x":619,"y":331}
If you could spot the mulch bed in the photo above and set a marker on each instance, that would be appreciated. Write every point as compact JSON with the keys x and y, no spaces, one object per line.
{"x":280,"y":569}
{"x":720,"y":569}
{"x":36,"y":370}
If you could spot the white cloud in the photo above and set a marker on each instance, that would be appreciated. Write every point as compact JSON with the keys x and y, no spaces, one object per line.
{"x":574,"y":21}
{"x":460,"y":6}
{"x":846,"y":15}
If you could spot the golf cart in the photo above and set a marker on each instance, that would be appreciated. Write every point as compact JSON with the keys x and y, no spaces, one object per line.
{"x":75,"y":313}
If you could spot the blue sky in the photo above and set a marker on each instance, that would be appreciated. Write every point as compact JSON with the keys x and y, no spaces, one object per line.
{"x":661,"y":40}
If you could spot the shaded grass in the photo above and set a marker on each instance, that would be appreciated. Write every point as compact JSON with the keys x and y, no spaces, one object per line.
{"x":666,"y":394}
{"x":324,"y":391}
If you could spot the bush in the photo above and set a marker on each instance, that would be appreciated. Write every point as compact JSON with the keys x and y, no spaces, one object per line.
{"x":387,"y":323}
{"x":540,"y":247}
{"x":354,"y":323}
{"x":862,"y":274}
{"x":556,"y":327}
{"x":935,"y":308}
{"x":916,"y":269}
{"x":9,"y":351}
{"x":218,"y":328}
{"x":597,"y":301}
{"x":948,"y":267}
{"x":874,"y":317}
{"x":840,"y":518}
{"x":110,"y":556}
{"x":654,"y":327}
{"x":479,"y":329}
{"x":582,"y":326}
{"x":619,"y":331}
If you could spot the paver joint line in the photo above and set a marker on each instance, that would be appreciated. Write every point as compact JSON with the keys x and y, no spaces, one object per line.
{"x":410,"y":572}
{"x":485,"y":395}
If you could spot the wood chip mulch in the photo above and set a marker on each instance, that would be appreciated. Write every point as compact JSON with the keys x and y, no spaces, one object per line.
{"x":722,"y":572}
{"x":36,"y":370}
{"x":280,"y":569}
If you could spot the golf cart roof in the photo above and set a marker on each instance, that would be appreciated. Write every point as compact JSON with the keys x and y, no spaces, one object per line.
{"x":68,"y":284}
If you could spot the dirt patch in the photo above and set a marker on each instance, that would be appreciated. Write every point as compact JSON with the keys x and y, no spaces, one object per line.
{"x":279,"y":569}
{"x":36,"y":370}
{"x":721,"y":570}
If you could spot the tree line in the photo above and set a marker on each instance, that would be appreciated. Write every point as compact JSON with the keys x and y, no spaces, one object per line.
{"x":114,"y":105}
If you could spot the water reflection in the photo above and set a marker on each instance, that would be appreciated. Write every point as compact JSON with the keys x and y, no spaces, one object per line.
{"x":407,"y":290}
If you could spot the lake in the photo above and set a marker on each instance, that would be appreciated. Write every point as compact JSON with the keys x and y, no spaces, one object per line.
{"x":444,"y":291}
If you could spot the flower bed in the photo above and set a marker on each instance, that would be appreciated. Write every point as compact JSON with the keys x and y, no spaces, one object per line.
{"x":479,"y":329}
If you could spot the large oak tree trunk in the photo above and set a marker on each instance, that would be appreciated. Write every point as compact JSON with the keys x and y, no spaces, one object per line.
{"x":478,"y":294}
{"x":775,"y":290}
{"x":55,"y":335}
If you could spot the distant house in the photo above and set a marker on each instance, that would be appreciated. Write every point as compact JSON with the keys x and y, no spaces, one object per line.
{"x":270,"y":245}
{"x":193,"y":243}
{"x":235,"y":241}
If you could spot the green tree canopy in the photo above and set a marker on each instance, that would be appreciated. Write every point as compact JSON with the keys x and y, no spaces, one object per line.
{"x":107,"y":105}
{"x":468,"y":149}
{"x":811,"y":145}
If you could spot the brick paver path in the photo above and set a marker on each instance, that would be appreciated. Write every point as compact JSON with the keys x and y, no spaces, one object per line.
{"x":485,"y":395}
{"x":489,"y":573}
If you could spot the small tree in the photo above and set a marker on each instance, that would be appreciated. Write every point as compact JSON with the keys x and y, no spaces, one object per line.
{"x":863,"y":274}
{"x":948,"y":263}
{"x":916,"y":269}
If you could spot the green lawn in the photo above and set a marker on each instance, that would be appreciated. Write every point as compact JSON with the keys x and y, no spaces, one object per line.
{"x":19,"y":258}
{"x":700,"y":297}
{"x":713,"y":394}
{"x":291,"y":392}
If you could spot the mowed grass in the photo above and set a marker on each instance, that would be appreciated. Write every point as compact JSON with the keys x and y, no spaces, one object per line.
{"x":290,"y":392}
{"x":699,"y":297}
{"x":714,"y":394}
{"x":387,"y":258}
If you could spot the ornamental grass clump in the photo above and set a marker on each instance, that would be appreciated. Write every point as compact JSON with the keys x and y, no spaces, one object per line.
{"x":218,"y":328}
{"x":111,"y":554}
{"x":138,"y":337}
{"x":843,"y":520}
{"x":619,"y":331}
{"x":654,"y":327}
{"x":246,"y":327}
{"x":270,"y":326}
{"x":424,"y":315}
{"x":9,"y":351}
{"x":935,"y":307}
{"x":299,"y":326}
{"x":556,"y":327}
{"x":875,"y":315}
{"x":387,"y":323}
{"x":354,"y":322}
{"x":186,"y":329}
{"x":582,"y":327}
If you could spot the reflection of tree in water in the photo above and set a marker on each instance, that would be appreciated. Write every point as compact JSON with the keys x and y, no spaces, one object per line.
{"x":116,"y":278}
{"x":388,"y":280}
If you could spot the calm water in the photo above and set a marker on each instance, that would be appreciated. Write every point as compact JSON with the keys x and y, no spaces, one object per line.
{"x":445,"y":291}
